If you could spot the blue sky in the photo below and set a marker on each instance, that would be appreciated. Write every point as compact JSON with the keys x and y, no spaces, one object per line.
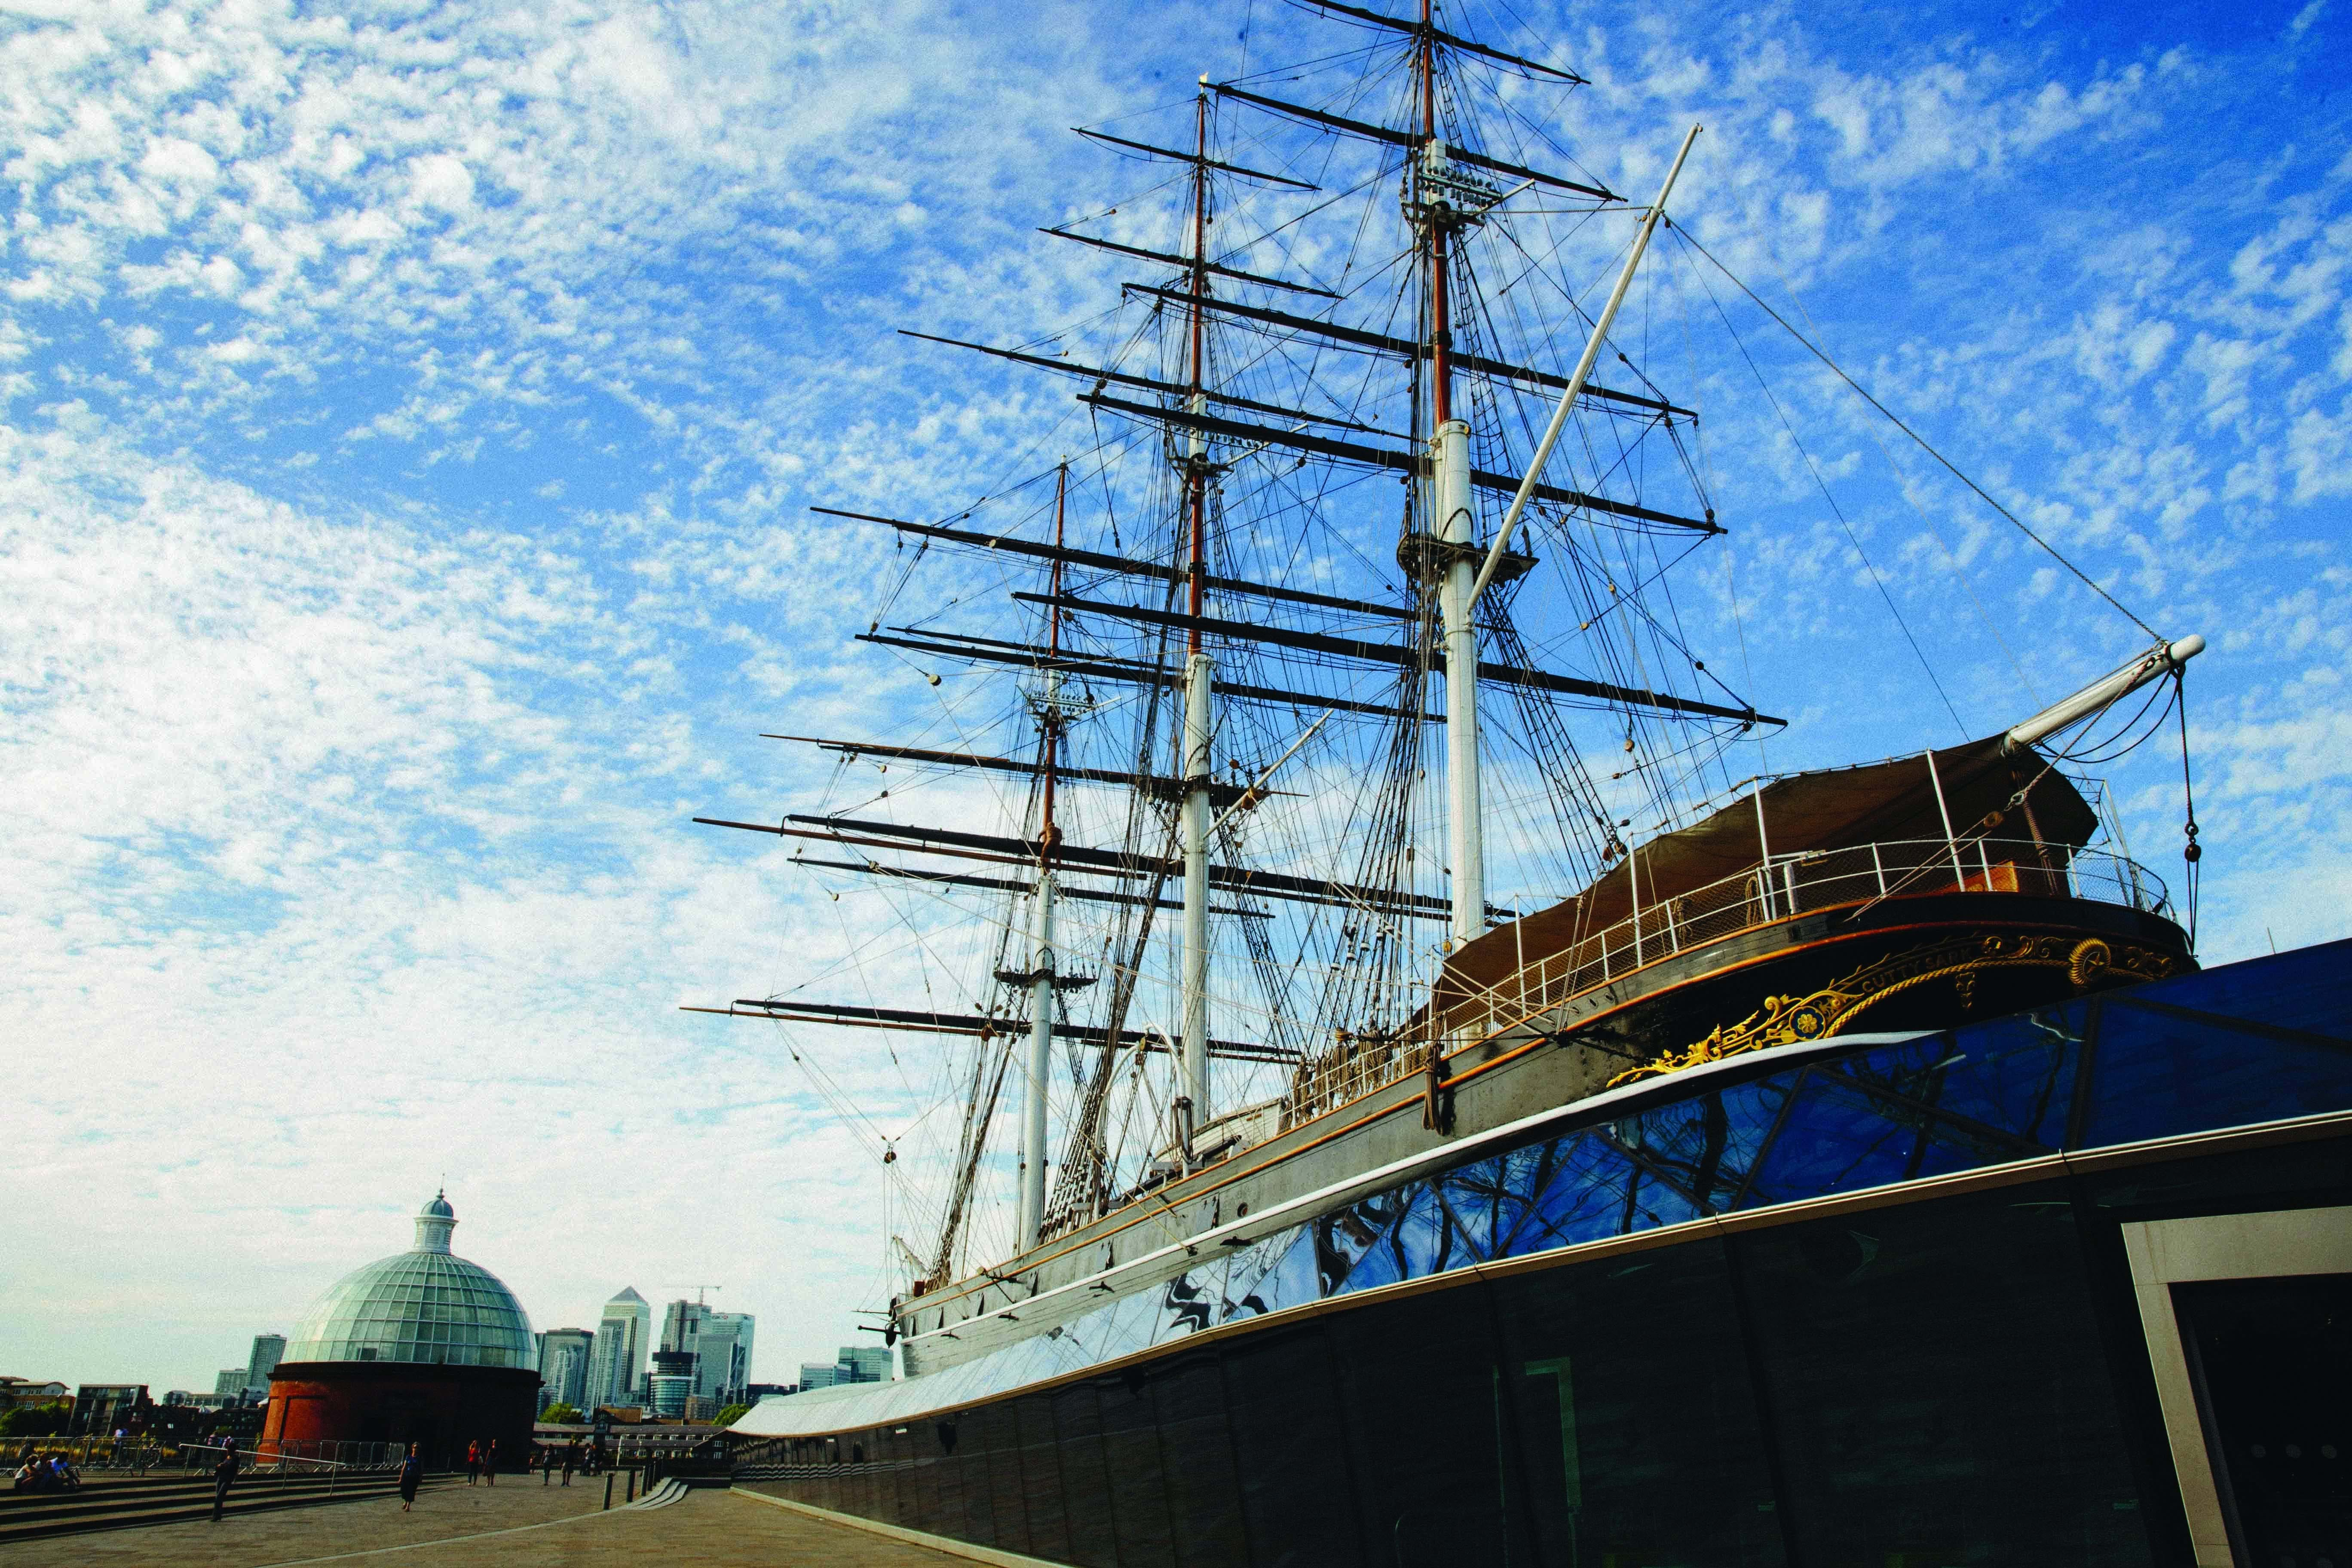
{"x":410,"y":413}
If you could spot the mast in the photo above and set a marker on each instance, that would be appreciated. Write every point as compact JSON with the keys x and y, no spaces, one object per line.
{"x":1042,"y":967}
{"x":1199,"y":673}
{"x":1453,"y":523}
{"x":1274,"y":552}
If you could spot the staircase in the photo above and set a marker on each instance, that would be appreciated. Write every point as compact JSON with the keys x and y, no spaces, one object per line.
{"x":109,"y":1503}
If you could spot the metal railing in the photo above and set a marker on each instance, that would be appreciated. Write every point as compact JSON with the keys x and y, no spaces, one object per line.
{"x":320,"y":1454}
{"x":1768,"y":891}
{"x":93,"y":1458}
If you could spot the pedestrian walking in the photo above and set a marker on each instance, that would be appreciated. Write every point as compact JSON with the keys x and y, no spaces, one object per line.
{"x":224,"y":1476}
{"x":412,"y":1470}
{"x":571,"y":1457}
{"x":472,"y":1462}
{"x":490,"y":1460}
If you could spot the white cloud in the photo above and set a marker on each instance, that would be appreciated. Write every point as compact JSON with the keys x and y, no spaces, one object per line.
{"x":442,"y":181}
{"x":402,"y":518}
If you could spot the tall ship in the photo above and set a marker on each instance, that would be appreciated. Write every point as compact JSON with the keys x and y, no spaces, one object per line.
{"x":1428,"y":1091}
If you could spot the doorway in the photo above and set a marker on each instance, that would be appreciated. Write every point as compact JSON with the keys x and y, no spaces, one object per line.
{"x":2270,"y":1361}
{"x":2249,"y":1326}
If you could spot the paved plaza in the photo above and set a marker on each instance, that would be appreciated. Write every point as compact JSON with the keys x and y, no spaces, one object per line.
{"x":516,"y":1525}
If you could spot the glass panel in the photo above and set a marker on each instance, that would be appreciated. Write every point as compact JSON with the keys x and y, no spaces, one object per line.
{"x":1481,"y":1203}
{"x":1138,"y":1487}
{"x":2304,"y":989}
{"x":2013,"y":1074}
{"x":1187,"y":1305}
{"x":1041,"y":1478}
{"x":1417,"y":1234}
{"x":1204,"y":1493}
{"x":1834,"y":1140}
{"x":1345,"y":1235}
{"x":1278,"y":1272}
{"x":1638,"y":1437}
{"x":2153,"y":1076}
{"x":1937,"y":1388}
{"x":1297,"y":1501}
{"x":1684,"y":1147}
{"x":1419,"y":1387}
{"x":1085,"y":1476}
{"x":1582,"y":1198}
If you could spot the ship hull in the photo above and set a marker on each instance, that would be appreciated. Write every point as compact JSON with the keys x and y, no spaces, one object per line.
{"x":1854,"y":1300}
{"x":1902,"y":963}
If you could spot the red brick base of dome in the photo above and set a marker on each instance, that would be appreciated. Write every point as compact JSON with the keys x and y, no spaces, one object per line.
{"x":439,"y":1408}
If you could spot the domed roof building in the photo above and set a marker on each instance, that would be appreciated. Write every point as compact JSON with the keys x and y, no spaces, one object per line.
{"x":423,"y":1305}
{"x":421,"y":1347}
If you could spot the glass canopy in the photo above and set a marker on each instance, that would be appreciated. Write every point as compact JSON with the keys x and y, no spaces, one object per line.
{"x":423,"y":1305}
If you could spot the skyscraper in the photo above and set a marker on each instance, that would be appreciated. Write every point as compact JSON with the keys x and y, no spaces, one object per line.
{"x":268,"y":1350}
{"x":682,"y":1325}
{"x":725,"y":1365}
{"x":565,"y":1356}
{"x":720,"y":1343}
{"x":617,"y":1365}
{"x":866,"y":1363}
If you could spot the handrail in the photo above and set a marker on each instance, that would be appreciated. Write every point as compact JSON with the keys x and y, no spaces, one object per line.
{"x":1768,"y":890}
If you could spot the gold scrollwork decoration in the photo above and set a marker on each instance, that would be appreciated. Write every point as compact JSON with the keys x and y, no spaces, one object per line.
{"x":2088,"y":962}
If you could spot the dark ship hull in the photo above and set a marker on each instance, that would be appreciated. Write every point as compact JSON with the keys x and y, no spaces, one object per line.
{"x":1857,"y":1300}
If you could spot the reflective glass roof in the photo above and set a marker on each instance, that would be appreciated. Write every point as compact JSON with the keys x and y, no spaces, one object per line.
{"x":423,"y":1305}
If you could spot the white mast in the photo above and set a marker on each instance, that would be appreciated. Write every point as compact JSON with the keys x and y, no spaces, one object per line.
{"x":1457,"y":524}
{"x":1042,"y":961}
{"x":1199,"y":674}
{"x":1454,"y":527}
{"x":1041,"y":1053}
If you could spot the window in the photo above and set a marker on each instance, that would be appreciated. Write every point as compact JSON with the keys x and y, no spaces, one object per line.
{"x":1635,"y":1409}
{"x":1936,"y":1385}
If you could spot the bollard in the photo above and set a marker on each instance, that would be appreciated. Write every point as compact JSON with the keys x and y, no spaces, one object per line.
{"x":608,"y":1490}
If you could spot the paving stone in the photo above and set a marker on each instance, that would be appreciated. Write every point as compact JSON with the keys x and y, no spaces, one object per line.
{"x":516,"y":1525}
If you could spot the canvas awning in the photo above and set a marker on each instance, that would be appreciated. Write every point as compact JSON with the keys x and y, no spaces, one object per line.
{"x":1834,"y":808}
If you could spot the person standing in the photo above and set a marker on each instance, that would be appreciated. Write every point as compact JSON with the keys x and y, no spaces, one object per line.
{"x":571,"y":1457}
{"x":224,"y":1476}
{"x":412,"y":1470}
{"x":472,"y":1462}
{"x":490,"y":1460}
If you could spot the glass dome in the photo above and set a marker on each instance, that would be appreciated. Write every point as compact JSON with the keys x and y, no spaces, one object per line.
{"x":422,"y":1305}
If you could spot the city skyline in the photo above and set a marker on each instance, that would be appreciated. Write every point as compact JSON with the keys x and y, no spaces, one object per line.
{"x":735,"y":1335}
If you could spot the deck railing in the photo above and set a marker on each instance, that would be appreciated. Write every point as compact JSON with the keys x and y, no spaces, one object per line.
{"x":1771,"y":891}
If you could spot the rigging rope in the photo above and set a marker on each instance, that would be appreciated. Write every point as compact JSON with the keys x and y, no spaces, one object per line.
{"x":1950,"y":467}
{"x":2193,"y":852}
{"x":1839,"y":512}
